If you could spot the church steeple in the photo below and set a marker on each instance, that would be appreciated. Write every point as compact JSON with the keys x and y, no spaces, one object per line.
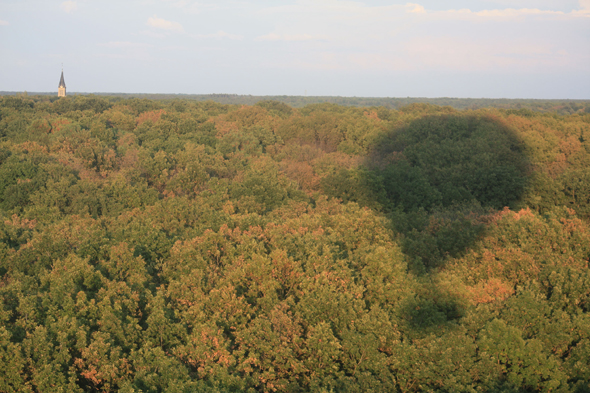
{"x":61,"y":90}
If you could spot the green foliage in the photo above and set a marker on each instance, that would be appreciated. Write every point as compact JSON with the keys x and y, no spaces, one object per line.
{"x":520,"y":362}
{"x":21,"y":175}
{"x":262,"y":189}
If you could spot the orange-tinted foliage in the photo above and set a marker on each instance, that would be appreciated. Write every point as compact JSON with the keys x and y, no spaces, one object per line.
{"x":153,"y":116}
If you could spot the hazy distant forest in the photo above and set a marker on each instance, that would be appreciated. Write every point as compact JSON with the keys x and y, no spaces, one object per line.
{"x":193,"y":246}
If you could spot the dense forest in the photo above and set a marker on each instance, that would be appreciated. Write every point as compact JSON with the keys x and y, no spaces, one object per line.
{"x":186,"y":245}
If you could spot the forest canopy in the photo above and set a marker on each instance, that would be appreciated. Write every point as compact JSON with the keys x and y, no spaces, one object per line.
{"x":182,"y":245}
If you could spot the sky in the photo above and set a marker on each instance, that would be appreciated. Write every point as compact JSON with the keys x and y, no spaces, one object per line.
{"x":366,"y":48}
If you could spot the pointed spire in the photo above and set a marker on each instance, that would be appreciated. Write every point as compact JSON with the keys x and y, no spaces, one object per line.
{"x":61,"y":90}
{"x":62,"y":83}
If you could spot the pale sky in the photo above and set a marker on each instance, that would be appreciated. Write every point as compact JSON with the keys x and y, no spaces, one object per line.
{"x":370,"y":48}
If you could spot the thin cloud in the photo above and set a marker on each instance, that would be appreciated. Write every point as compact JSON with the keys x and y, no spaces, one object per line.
{"x":415,"y":8}
{"x":512,"y":13}
{"x":356,"y":36}
{"x":69,"y":6}
{"x":507,"y":13}
{"x":584,"y":9}
{"x":356,"y":24}
{"x":541,"y":4}
{"x":164,"y":24}
{"x":355,"y":11}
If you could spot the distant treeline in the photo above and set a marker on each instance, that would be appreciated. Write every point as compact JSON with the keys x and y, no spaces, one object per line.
{"x":538,"y":105}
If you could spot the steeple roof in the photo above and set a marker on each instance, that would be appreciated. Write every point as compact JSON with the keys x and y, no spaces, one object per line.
{"x":62,"y":83}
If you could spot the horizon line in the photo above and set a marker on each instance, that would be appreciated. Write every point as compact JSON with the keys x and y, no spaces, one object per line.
{"x":33,"y":93}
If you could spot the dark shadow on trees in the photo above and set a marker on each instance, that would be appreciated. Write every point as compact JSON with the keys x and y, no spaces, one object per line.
{"x":438,"y":178}
{"x":445,"y":160}
{"x":430,"y":314}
